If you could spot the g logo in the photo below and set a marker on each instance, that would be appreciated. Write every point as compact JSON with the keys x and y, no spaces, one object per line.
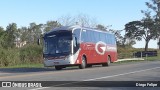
{"x":100,"y":47}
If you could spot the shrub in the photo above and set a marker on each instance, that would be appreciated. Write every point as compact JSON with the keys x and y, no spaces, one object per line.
{"x":9,"y":57}
{"x":31,"y":54}
{"x":25,"y":55}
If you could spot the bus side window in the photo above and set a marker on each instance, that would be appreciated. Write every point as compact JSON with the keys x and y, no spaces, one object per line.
{"x":77,"y":35}
{"x":83,"y":36}
{"x":89,"y":36}
{"x":92,"y":36}
{"x":95,"y":37}
{"x":112,"y":39}
{"x":76,"y":40}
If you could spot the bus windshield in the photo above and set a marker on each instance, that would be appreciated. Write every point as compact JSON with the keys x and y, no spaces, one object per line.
{"x":57,"y":43}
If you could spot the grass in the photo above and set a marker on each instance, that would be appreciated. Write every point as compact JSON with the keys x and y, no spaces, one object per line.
{"x":121,"y":62}
{"x":25,"y":66}
{"x":40,"y":65}
{"x":157,"y":58}
{"x":152,"y":58}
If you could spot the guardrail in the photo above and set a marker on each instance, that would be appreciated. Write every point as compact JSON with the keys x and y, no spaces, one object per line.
{"x":145,"y":54}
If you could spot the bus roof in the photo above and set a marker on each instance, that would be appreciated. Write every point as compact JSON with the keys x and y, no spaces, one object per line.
{"x":73,"y":27}
{"x":63,"y":28}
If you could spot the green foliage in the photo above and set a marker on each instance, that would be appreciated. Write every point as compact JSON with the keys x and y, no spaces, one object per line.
{"x":1,"y":29}
{"x":127,"y":51}
{"x":9,"y":57}
{"x":50,"y":25}
{"x":28,"y":54}
{"x":153,"y":58}
{"x":34,"y":32}
{"x":1,"y":36}
{"x":144,"y":29}
{"x":8,"y":36}
{"x":101,"y":27}
{"x":147,"y":28}
{"x":31,"y":53}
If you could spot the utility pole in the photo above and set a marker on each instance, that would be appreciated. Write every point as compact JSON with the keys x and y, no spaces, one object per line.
{"x":158,"y":14}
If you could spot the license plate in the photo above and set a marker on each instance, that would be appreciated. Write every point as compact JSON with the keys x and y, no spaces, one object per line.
{"x":56,"y":62}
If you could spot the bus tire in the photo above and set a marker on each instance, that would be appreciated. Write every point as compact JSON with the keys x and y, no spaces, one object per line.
{"x":58,"y":67}
{"x":108,"y":62}
{"x":83,"y":65}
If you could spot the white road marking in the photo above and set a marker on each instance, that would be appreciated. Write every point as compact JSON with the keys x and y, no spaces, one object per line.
{"x":39,"y":88}
{"x":101,"y":78}
{"x":121,"y":74}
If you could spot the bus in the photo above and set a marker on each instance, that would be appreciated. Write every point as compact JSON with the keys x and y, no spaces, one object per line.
{"x":76,"y":45}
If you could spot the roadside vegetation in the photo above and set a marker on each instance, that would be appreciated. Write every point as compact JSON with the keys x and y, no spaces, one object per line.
{"x":18,"y":46}
{"x":30,"y":56}
{"x":128,"y":52}
{"x":27,"y":55}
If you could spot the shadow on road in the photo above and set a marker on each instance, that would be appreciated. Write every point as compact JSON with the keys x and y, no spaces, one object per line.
{"x":23,"y":70}
{"x":27,"y":70}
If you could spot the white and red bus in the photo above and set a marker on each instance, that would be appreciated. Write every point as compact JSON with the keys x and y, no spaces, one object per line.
{"x":76,"y":45}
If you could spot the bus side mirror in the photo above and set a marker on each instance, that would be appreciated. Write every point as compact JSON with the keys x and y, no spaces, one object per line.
{"x":39,"y":41}
{"x":75,"y":42}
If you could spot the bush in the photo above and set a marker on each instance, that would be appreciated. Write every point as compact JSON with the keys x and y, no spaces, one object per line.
{"x":28,"y":54}
{"x":127,"y":52}
{"x":9,"y":57}
{"x":31,"y":54}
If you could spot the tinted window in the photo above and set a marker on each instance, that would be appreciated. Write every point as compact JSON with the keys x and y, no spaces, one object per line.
{"x":92,"y":36}
{"x":87,"y":36}
{"x":76,"y":40}
{"x":76,"y":33}
{"x":113,"y":40}
{"x":83,"y":36}
{"x":96,"y":37}
{"x":103,"y":37}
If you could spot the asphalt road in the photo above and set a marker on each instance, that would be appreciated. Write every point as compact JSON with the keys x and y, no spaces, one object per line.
{"x":132,"y":71}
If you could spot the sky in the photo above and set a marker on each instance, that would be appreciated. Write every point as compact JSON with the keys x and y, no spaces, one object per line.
{"x":113,"y":13}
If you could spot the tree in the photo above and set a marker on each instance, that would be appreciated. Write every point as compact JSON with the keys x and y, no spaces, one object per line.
{"x":24,"y":34}
{"x":1,"y":29}
{"x":121,"y":40}
{"x":80,"y":19}
{"x":85,"y":20}
{"x":154,"y":5}
{"x":101,"y":27}
{"x":1,"y":36}
{"x":67,"y":20}
{"x":142,"y":29}
{"x":10,"y":35}
{"x":51,"y":25}
{"x":35,"y":32}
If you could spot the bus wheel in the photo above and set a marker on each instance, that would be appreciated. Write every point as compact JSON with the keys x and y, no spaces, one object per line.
{"x":83,"y":65}
{"x":58,"y":67}
{"x":108,"y":62}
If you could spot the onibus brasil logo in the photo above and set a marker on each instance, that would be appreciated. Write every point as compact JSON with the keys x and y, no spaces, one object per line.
{"x":100,"y":47}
